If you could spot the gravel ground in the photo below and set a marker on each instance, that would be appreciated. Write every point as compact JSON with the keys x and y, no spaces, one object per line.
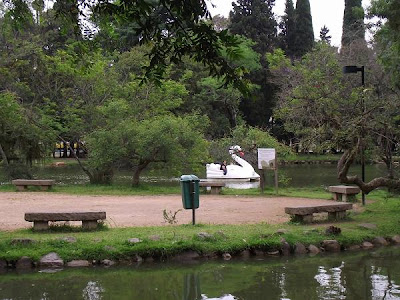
{"x":126,"y":211}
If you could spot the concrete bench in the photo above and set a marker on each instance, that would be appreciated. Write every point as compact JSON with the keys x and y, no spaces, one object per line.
{"x":41,"y":219}
{"x":22,"y":184}
{"x":304,"y":214}
{"x":216,"y":187}
{"x":344,"y":193}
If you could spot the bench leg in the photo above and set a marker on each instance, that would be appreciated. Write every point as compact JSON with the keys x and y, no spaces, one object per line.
{"x":339,"y":197}
{"x":89,"y":224}
{"x":302,"y":218}
{"x":338,"y":215}
{"x":21,"y":188}
{"x":40,"y":225}
{"x":215,"y":190}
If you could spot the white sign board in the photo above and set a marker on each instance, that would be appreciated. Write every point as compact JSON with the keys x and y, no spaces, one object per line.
{"x":266,"y":158}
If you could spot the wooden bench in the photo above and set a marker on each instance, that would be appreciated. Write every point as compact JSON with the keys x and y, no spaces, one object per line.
{"x":216,"y":187}
{"x":304,"y":214}
{"x":344,"y":193}
{"x":41,"y":219}
{"x":22,"y":184}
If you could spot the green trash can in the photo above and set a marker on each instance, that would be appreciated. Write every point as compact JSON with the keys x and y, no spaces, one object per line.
{"x":190,"y":190}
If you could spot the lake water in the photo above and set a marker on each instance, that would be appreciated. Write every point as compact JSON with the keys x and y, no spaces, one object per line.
{"x":361,"y":275}
{"x":303,"y":175}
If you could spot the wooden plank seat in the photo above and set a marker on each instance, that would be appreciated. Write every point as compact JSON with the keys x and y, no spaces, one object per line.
{"x":22,"y":184}
{"x":41,"y":219}
{"x":344,"y":193}
{"x":215,"y":186}
{"x":304,"y":214}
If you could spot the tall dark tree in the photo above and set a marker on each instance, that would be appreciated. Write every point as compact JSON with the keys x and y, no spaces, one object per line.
{"x":304,"y":34}
{"x":353,"y":22}
{"x":255,"y":20}
{"x":324,"y":35}
{"x":287,"y":27}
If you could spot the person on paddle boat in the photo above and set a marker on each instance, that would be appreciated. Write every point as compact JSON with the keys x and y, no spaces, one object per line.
{"x":223,"y":167}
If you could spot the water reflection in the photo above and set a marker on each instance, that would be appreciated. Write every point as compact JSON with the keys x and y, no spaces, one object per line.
{"x":242,"y":184}
{"x":92,"y":291}
{"x":364,"y":275}
{"x":330,"y":281}
{"x":383,"y":287}
{"x":297,"y":175}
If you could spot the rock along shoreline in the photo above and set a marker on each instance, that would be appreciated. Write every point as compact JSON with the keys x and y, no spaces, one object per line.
{"x":53,"y":261}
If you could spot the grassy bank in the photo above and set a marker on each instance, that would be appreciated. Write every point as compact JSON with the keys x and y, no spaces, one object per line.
{"x":144,"y":189}
{"x":112,"y":243}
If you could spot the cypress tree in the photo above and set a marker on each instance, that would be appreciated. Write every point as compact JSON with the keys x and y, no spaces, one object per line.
{"x":254,"y":19}
{"x":353,"y":22}
{"x":304,"y":33}
{"x":287,"y":27}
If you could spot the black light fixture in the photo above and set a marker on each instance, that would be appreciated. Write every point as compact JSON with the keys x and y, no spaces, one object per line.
{"x":355,"y":69}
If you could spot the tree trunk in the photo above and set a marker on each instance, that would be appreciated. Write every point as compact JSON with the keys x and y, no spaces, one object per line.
{"x":136,"y":177}
{"x":136,"y":172}
{"x":88,"y":173}
{"x":3,"y":156}
{"x":343,"y":168}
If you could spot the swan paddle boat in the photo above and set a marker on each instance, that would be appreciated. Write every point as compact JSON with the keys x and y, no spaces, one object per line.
{"x":243,"y":170}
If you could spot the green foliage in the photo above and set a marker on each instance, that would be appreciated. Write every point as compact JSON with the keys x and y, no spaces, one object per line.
{"x":188,"y":34}
{"x":288,"y":29}
{"x":304,"y":32}
{"x":255,"y":20}
{"x":318,"y":98}
{"x":353,"y":22}
{"x":388,"y":36}
{"x":249,"y":139}
{"x":21,"y":135}
{"x":165,"y":141}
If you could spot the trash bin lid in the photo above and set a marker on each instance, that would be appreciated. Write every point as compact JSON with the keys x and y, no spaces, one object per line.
{"x":189,"y":178}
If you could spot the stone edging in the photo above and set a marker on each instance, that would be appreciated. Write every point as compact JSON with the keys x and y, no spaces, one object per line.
{"x":52,"y":260}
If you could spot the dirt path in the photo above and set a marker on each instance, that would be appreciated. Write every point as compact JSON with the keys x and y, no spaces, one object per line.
{"x":125,"y":211}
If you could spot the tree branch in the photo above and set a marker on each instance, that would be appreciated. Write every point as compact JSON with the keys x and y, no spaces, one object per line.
{"x":343,"y":168}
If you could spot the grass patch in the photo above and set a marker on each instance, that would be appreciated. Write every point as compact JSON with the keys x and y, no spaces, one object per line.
{"x":113,"y":243}
{"x":94,"y":189}
{"x":147,"y":189}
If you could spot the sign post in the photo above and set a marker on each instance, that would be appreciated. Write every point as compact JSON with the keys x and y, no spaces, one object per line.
{"x":267,"y":161}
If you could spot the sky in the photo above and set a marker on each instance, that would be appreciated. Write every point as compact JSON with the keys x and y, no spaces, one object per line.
{"x":324,"y":12}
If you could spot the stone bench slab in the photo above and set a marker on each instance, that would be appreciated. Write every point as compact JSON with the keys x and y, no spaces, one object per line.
{"x":211,"y":184}
{"x":344,"y":192}
{"x":215,"y":186}
{"x":32,"y":182}
{"x":64,"y":216}
{"x":41,"y":219}
{"x":22,"y":184}
{"x":344,"y":189}
{"x":307,"y":210}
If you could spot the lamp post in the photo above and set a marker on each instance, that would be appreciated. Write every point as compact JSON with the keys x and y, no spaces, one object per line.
{"x":355,"y":69}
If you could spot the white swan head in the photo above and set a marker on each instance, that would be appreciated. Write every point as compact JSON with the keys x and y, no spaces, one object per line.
{"x":234,"y":149}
